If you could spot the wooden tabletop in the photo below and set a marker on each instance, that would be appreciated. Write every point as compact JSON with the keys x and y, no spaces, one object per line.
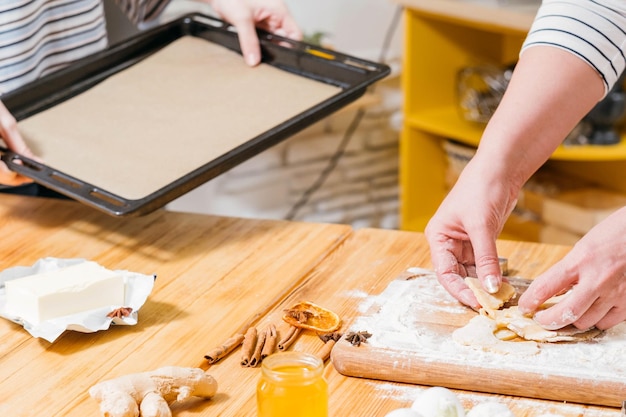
{"x":215,"y":276}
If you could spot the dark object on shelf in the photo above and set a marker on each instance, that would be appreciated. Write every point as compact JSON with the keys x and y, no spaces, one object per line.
{"x":606,"y":117}
{"x":480,"y":90}
{"x":351,"y":76}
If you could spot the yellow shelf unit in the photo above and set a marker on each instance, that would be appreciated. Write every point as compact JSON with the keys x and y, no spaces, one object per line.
{"x":442,"y":37}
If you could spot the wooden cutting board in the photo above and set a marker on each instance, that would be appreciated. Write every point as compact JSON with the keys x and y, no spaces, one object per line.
{"x":411,"y":324}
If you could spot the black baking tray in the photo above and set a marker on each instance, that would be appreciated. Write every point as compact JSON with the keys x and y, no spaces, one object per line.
{"x":352,"y":75}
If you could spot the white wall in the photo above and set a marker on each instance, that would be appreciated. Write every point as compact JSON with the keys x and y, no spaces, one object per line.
{"x":357,"y":27}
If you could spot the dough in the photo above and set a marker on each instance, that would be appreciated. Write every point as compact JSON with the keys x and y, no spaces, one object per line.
{"x":478,"y":333}
{"x":509,"y":324}
{"x":489,"y":301}
{"x":528,"y":329}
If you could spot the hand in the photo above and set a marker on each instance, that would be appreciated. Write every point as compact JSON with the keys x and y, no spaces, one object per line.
{"x":11,"y":136}
{"x":519,"y":138}
{"x":595,"y":272}
{"x":270,"y":15}
{"x":462,"y":233}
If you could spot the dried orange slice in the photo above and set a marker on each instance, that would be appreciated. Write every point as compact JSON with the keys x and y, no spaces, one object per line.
{"x":307,"y":315}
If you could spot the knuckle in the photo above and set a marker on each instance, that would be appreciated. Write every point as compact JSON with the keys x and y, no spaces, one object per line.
{"x":487,"y":261}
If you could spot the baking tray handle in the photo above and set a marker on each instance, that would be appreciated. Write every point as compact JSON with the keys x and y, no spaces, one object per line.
{"x":62,"y":183}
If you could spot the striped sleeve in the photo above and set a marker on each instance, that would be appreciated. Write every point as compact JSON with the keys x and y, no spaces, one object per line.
{"x":41,"y":36}
{"x":38,"y":37}
{"x":139,"y":11}
{"x":593,"y":30}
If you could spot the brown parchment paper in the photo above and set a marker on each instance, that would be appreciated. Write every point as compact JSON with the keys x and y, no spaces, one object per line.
{"x":155,"y":122}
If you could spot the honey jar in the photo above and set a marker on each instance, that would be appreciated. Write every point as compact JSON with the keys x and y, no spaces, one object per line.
{"x":292,"y":385}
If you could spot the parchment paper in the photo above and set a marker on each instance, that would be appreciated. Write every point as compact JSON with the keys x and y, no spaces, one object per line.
{"x":158,"y":120}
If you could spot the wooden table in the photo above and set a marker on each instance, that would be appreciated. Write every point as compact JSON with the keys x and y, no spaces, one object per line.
{"x":215,"y":275}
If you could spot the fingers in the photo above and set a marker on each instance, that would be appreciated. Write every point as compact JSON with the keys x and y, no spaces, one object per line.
{"x":451,"y":273}
{"x":456,"y":286}
{"x":614,"y":317}
{"x":249,"y":42}
{"x":487,"y":263}
{"x":584,"y":306}
{"x":598,"y":310}
{"x":565,"y":312}
{"x":14,"y":141}
{"x":8,"y":129}
{"x":289,"y":28}
{"x":246,"y":16}
{"x":542,"y":288}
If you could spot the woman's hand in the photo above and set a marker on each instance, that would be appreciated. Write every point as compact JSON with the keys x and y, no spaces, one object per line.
{"x":270,"y":15}
{"x":462,"y":233}
{"x":595,"y":272}
{"x":13,"y":140}
{"x":519,"y":138}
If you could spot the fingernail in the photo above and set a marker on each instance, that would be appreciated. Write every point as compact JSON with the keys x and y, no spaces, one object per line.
{"x":251,"y":59}
{"x":492,"y":284}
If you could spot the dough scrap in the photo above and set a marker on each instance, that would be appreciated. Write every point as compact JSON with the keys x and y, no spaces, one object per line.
{"x":478,"y":333}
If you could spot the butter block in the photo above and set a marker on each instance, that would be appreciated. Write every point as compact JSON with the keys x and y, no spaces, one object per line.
{"x":74,"y":289}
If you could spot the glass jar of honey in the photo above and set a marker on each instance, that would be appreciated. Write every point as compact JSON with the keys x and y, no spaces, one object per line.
{"x":292,"y":385}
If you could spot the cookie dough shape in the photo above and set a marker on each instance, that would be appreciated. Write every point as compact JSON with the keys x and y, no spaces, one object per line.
{"x":499,"y":327}
{"x":528,"y":329}
{"x":479,"y":334}
{"x":489,"y":301}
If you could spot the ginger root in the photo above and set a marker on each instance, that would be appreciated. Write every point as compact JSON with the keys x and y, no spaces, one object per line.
{"x":148,"y":394}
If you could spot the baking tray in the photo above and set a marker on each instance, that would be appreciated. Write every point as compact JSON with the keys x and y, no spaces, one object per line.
{"x":349,"y":75}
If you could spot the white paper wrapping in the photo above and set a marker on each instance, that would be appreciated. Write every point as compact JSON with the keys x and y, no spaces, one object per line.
{"x":138,"y":288}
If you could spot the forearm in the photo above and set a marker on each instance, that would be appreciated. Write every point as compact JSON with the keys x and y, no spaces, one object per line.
{"x":572,"y":56}
{"x":550,"y":91}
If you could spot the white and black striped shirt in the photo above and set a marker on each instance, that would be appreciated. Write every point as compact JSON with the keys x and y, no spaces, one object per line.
{"x":593,"y":30}
{"x":41,"y":36}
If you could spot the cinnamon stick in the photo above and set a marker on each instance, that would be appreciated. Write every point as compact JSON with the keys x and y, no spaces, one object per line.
{"x":270,"y":342}
{"x":289,"y":338}
{"x":224,"y":349}
{"x":249,"y":344}
{"x":256,"y":356}
{"x":324,"y":352}
{"x":329,"y":341}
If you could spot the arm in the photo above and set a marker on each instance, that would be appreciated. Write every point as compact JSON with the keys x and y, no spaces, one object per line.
{"x":553,"y":86}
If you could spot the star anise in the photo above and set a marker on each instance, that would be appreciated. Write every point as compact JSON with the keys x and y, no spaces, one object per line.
{"x":356,"y":338}
{"x":301,"y":315}
{"x":334,"y":336}
{"x":120,"y":312}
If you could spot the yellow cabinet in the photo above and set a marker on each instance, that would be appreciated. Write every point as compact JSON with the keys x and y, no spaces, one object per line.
{"x":442,"y":37}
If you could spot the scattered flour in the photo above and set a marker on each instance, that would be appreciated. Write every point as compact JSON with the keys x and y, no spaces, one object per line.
{"x":396,"y":316}
{"x":405,"y":394}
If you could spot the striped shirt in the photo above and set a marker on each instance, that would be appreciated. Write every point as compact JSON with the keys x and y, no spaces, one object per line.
{"x":40,"y":36}
{"x":593,"y":30}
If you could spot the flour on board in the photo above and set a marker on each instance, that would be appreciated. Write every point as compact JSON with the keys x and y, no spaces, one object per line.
{"x":413,"y":318}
